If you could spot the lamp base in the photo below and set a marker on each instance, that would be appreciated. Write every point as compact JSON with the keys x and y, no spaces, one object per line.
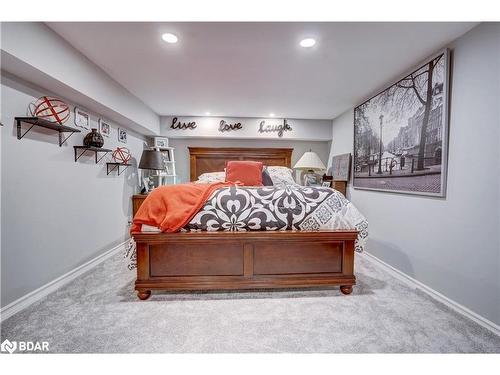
{"x":310,"y":178}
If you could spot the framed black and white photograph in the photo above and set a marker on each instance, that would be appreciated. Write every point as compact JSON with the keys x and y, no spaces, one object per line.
{"x":82,"y":118}
{"x":341,"y":166}
{"x":160,"y":142}
{"x":104,"y":128}
{"x":122,"y":135}
{"x":401,"y":134}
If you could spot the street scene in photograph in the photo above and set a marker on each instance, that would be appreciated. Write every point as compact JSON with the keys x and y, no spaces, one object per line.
{"x":399,"y":134}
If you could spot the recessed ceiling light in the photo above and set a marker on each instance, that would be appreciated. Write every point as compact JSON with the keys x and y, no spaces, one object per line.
{"x":207,"y":113}
{"x":170,"y":38}
{"x":271,"y":115}
{"x":307,"y":42}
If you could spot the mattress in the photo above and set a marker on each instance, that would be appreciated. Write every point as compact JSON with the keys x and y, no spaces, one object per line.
{"x":272,"y":208}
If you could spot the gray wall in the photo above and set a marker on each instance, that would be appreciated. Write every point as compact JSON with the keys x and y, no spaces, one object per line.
{"x":452,"y":244}
{"x":299,"y":147}
{"x":56,"y":214}
{"x":33,"y":51}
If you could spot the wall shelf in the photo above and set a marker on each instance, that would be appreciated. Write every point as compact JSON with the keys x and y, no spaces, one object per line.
{"x":95,"y":150}
{"x":37,"y":121}
{"x":117,"y":167}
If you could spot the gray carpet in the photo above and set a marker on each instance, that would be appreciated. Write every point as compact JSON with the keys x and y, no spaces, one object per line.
{"x":100,"y":313}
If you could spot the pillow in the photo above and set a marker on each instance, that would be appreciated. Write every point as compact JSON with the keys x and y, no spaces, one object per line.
{"x":266,"y":179}
{"x":281,"y":175}
{"x":249,"y":173}
{"x":210,"y":178}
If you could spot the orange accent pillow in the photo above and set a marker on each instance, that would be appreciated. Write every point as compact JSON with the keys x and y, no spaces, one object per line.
{"x":248,"y":173}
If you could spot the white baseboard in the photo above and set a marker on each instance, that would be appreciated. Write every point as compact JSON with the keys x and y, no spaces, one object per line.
{"x":30,"y":298}
{"x":410,"y":281}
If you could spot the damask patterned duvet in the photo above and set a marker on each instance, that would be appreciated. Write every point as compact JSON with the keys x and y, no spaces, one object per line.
{"x":292,"y":207}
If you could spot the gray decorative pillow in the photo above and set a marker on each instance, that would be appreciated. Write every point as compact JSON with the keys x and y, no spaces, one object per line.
{"x":266,"y":178}
{"x":281,"y":175}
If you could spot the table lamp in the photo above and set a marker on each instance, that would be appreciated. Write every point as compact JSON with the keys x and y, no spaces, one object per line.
{"x":310,"y":162}
{"x":151,"y":160}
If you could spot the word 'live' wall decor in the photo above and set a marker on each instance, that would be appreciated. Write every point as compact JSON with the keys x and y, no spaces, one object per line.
{"x":177,"y":125}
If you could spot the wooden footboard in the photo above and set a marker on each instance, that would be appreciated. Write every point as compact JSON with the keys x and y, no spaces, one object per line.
{"x":244,"y":260}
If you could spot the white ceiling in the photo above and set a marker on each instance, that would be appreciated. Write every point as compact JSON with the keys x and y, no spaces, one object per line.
{"x":253,"y":69}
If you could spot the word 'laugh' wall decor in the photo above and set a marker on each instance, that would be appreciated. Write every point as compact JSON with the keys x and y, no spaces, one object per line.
{"x":274,"y":128}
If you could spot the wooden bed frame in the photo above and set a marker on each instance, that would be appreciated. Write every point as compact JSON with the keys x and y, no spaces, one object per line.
{"x":243,"y":260}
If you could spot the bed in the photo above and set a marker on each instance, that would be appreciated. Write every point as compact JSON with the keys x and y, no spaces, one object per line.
{"x":285,"y":256}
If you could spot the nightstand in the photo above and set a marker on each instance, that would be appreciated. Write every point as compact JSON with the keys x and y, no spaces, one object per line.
{"x":137,"y":200}
{"x":339,"y":186}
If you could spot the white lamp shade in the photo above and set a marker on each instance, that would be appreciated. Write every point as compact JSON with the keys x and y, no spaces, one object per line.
{"x":310,"y":161}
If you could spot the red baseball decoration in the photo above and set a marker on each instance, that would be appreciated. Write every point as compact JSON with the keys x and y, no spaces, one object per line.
{"x":121,"y":155}
{"x":50,"y":109}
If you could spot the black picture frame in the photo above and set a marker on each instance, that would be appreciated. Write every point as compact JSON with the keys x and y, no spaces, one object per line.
{"x":404,"y":164}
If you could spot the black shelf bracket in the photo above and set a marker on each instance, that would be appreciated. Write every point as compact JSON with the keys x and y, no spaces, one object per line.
{"x":116,"y":166}
{"x":95,"y":151}
{"x":20,"y":134}
{"x":63,"y":139}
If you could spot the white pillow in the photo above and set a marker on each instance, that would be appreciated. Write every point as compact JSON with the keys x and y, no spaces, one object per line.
{"x":209,"y":178}
{"x":281,"y":175}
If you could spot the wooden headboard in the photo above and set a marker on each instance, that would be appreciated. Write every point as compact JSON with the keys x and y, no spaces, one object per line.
{"x":213,"y":159}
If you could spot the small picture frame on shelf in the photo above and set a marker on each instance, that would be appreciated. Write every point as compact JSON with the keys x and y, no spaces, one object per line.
{"x":160,"y":142}
{"x":82,"y":118}
{"x":122,"y":135}
{"x":104,"y":128}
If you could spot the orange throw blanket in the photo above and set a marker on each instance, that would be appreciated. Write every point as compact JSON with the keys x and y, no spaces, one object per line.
{"x":171,"y":207}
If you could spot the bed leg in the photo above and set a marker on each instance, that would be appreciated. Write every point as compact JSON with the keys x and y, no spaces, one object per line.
{"x":143,"y":294}
{"x":346,"y":289}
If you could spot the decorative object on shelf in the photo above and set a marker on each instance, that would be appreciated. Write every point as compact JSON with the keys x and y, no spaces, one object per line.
{"x":104,"y":128}
{"x":93,"y":139}
{"x":150,"y":160}
{"x":326,"y":184}
{"x":121,"y":155}
{"x":275,"y":128}
{"x":341,"y":165}
{"x":225,"y":127}
{"x":36,"y":121}
{"x":160,"y":142}
{"x":165,"y":157}
{"x":401,"y":134}
{"x":50,"y":109}
{"x":95,"y":150}
{"x":310,"y":162}
{"x":167,"y":175}
{"x":182,"y":125}
{"x":82,"y":118}
{"x":122,"y":135}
